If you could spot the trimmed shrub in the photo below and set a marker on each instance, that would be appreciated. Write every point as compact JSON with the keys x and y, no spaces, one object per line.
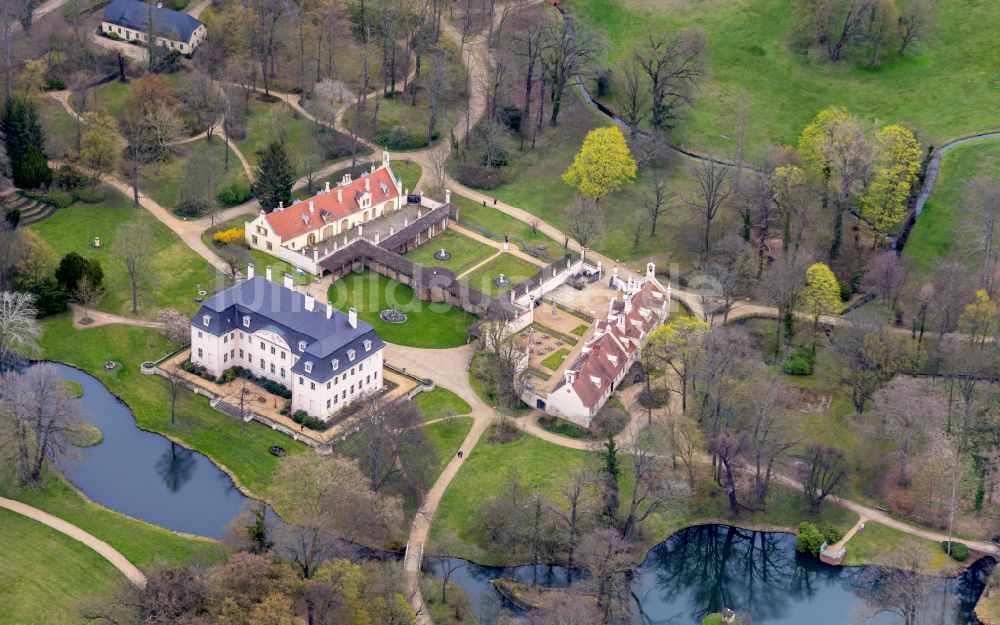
{"x":959,"y":551}
{"x":809,"y":539}
{"x":230,"y":374}
{"x":305,"y":420}
{"x":800,"y":362}
{"x":234,"y":193}
{"x":233,"y":235}
{"x":275,"y":388}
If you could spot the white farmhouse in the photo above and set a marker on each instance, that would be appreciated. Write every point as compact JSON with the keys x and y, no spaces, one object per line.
{"x":327,"y":358}
{"x":329,"y":213}
{"x":131,"y":20}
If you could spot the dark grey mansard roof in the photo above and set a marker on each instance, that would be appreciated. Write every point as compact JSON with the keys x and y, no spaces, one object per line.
{"x":166,"y":22}
{"x":273,"y":307}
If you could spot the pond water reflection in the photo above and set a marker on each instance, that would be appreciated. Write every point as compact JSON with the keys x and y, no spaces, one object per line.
{"x":706,"y":568}
{"x":145,"y":475}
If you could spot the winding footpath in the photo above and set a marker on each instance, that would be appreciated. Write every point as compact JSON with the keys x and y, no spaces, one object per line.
{"x":450,"y":367}
{"x":103,"y":549}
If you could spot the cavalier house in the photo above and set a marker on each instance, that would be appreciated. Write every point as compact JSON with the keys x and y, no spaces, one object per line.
{"x":328,"y":359}
{"x":329,"y":213}
{"x":130,"y":20}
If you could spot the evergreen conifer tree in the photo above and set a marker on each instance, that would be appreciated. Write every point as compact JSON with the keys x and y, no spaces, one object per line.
{"x":274,"y":176}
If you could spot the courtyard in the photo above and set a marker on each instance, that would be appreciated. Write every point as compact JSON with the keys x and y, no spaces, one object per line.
{"x":465,"y":252}
{"x":513,"y":269}
{"x":428,"y":325}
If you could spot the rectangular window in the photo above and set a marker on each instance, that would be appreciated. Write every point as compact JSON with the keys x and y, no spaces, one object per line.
{"x":261,"y":364}
{"x":352,"y":389}
{"x":241,"y":355}
{"x":199,"y":333}
{"x":225,"y":339}
{"x":272,"y":368}
{"x":273,"y":351}
{"x":368,"y":379}
{"x":262,"y":344}
{"x":301,"y":381}
{"x":335,"y":398}
{"x":312,"y":386}
{"x":269,"y":248}
{"x":343,"y":395}
{"x":199,"y":352}
{"x":254,"y":239}
{"x":225,"y":358}
{"x":282,"y":373}
{"x":327,"y":386}
{"x":328,"y":404}
{"x":361,"y":367}
{"x":282,"y":355}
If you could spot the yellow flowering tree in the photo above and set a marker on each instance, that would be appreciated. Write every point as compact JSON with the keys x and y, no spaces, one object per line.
{"x":233,"y":235}
{"x":898,"y":162}
{"x":979,"y":318}
{"x":603,"y":164}
{"x":820,"y":296}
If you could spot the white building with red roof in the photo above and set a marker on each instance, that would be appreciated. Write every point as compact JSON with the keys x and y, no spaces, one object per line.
{"x":616,"y":345}
{"x":331,"y":212}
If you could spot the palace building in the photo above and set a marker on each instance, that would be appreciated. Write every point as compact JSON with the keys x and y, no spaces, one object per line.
{"x":327,"y":358}
{"x":331,"y":212}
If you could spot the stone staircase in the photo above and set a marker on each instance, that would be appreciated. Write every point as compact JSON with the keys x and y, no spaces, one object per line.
{"x":229,"y":409}
{"x":32,"y":211}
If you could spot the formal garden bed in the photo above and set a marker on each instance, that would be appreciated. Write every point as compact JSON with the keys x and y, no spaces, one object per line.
{"x":465,"y":252}
{"x":513,"y":269}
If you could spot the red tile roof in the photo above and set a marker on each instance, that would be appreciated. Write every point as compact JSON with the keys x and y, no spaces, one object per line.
{"x":296,"y":219}
{"x":620,"y":342}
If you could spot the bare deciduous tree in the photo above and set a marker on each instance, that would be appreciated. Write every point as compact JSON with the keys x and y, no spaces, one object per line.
{"x":134,"y":246}
{"x":672,"y":64}
{"x":714,"y":187}
{"x":905,"y":413}
{"x":586,"y":220}
{"x":43,"y":415}
{"x":19,"y":330}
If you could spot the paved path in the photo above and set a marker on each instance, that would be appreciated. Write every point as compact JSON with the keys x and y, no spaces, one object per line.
{"x":98,"y":318}
{"x":105,"y":550}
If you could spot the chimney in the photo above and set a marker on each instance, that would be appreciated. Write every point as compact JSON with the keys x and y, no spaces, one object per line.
{"x":347,"y":179}
{"x":447,"y":196}
{"x":268,"y":271}
{"x":368,"y":183}
{"x":281,"y":205}
{"x":312,"y":207}
{"x":352,"y":316}
{"x":288,"y":280}
{"x":569,"y":376}
{"x":385,"y":158}
{"x":373,"y":167}
{"x":329,"y":310}
{"x":310,"y":302}
{"x":249,"y":271}
{"x":650,"y":270}
{"x":340,"y":195}
{"x":327,"y":186}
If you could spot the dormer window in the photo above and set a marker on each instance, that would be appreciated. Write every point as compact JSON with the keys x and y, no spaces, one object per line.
{"x":334,"y":364}
{"x":368,"y":345}
{"x":302,"y":346}
{"x":596,"y":380}
{"x":308,"y":366}
{"x":206,"y":319}
{"x":246,"y":321}
{"x":613,"y":359}
{"x":350,"y":354}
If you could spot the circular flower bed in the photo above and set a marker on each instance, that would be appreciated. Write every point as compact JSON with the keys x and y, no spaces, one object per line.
{"x":442,"y":254}
{"x":393,"y":315}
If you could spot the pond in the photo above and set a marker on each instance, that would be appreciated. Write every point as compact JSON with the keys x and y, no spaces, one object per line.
{"x":705,"y":568}
{"x":145,"y":475}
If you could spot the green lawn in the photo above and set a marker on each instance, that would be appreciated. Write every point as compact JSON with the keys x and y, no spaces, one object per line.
{"x":428,"y":325}
{"x":143,"y":544}
{"x":465,"y":252}
{"x":580,"y":330}
{"x":539,"y":465}
{"x":267,"y":122}
{"x":512,"y":267}
{"x":45,"y":575}
{"x":945,"y":89}
{"x":533,"y":181}
{"x":110,"y":96}
{"x":501,"y":224}
{"x":60,"y":128}
{"x":447,"y":437}
{"x":175,"y":270}
{"x":878,"y":543}
{"x":554,"y":360}
{"x":162,"y":181}
{"x":199,"y":426}
{"x":938,"y":233}
{"x":441,"y":403}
